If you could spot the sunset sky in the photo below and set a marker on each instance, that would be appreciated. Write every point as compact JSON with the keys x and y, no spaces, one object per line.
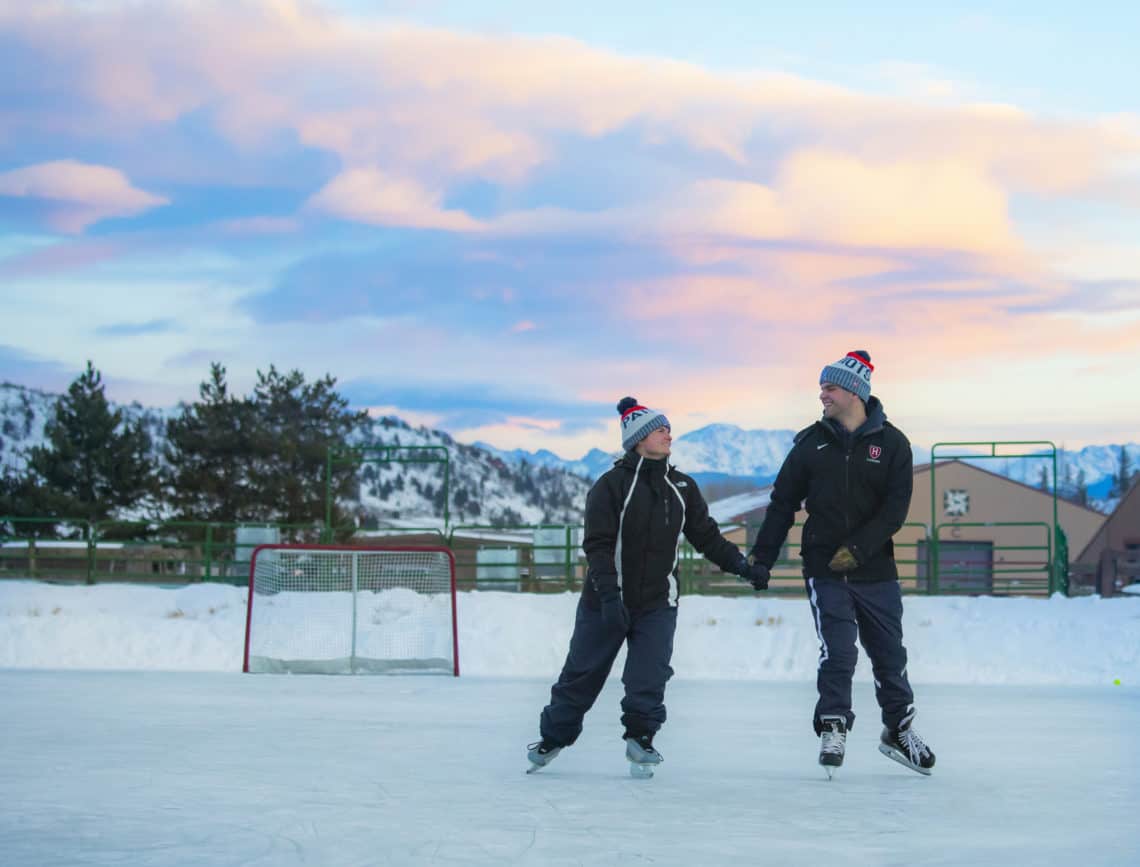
{"x":499,"y":218}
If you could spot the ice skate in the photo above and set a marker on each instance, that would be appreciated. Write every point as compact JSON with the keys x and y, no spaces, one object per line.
{"x":541,"y":754}
{"x":832,"y":743}
{"x":643,"y":758}
{"x":906,"y":747}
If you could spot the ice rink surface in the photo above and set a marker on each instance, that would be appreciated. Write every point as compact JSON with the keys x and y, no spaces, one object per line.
{"x":182,"y":768}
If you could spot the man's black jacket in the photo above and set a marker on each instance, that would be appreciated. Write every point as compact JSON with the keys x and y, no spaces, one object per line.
{"x":635,"y":515}
{"x":856,"y":488}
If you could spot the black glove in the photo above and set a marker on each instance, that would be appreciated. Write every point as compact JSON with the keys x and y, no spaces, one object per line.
{"x":754,"y":573}
{"x":614,"y":613}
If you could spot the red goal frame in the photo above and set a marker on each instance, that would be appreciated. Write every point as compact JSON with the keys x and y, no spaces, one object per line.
{"x":351,"y":549}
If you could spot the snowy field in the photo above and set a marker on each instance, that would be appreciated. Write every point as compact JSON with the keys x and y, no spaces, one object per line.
{"x":132,"y":738}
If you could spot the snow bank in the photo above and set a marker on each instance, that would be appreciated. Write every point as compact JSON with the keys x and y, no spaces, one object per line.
{"x":956,"y":640}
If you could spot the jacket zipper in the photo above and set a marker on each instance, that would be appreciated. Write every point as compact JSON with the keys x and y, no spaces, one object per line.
{"x":847,"y":493}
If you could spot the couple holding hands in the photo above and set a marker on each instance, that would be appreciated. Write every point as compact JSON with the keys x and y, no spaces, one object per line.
{"x":852,"y":470}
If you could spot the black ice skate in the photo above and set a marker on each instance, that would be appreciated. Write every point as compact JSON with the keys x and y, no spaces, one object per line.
{"x":643,"y":758}
{"x":832,"y":743}
{"x":906,"y":747}
{"x":541,"y":754}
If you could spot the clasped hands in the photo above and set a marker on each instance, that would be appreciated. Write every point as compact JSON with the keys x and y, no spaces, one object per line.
{"x":754,"y":573}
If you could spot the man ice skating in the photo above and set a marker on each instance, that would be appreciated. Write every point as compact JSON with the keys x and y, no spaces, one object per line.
{"x":636,"y":514}
{"x":853,"y":471}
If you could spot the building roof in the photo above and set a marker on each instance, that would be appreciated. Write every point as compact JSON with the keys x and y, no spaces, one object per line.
{"x":730,"y":508}
{"x":1121,"y":509}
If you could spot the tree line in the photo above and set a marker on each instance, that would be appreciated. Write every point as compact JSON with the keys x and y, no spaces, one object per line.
{"x":225,"y":458}
{"x":1075,"y":488}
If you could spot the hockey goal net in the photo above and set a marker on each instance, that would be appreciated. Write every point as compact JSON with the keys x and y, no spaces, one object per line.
{"x":326,"y":609}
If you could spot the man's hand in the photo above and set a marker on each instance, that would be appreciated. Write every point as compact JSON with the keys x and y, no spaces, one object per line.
{"x":843,"y":561}
{"x":614,"y":613}
{"x":754,"y":573}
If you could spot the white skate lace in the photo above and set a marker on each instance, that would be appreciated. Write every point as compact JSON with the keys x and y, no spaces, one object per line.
{"x":832,"y":741}
{"x":913,"y":744}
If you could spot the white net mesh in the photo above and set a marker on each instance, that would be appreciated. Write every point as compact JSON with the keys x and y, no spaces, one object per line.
{"x":351,"y":611}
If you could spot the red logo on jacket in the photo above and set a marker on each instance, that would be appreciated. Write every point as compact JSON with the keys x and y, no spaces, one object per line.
{"x":876,"y":452}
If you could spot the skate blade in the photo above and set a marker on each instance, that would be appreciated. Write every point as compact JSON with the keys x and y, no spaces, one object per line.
{"x":533,"y":769}
{"x":830,"y":770}
{"x":895,"y":755}
{"x":641,"y":770}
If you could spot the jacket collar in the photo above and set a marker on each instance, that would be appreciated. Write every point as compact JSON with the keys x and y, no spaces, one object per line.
{"x":648,"y":467}
{"x":876,"y":416}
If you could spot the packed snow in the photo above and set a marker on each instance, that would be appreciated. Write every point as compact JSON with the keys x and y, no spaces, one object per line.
{"x":1086,"y":641}
{"x":131,"y":737}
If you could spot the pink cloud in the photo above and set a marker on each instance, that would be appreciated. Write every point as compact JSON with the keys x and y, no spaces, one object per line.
{"x":427,"y":108}
{"x":833,"y":198}
{"x":849,"y":187}
{"x":818,"y":198}
{"x":78,"y":194}
{"x":446,"y":103}
{"x":994,"y":367}
{"x":800,"y":308}
{"x":903,"y":203}
{"x":372,"y":196}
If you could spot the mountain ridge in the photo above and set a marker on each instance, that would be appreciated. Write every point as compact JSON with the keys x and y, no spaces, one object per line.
{"x":482,"y":488}
{"x":504,"y":485}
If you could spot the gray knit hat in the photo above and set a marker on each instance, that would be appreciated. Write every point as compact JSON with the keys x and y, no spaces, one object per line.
{"x":638,"y":422}
{"x":852,"y":372}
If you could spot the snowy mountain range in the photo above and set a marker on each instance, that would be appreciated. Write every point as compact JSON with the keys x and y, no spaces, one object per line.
{"x":483,"y":488}
{"x":718,"y":450}
{"x":730,"y":460}
{"x":591,"y":465}
{"x":519,"y":486}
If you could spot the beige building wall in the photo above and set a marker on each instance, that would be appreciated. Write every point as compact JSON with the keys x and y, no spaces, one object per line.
{"x":991,"y":498}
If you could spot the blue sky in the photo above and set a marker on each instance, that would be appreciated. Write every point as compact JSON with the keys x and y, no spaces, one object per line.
{"x":1053,"y":57}
{"x":500,"y":218}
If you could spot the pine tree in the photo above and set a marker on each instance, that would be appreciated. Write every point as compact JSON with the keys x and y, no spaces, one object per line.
{"x":21,"y":496}
{"x":1124,"y":475}
{"x":1082,"y":495}
{"x":1068,"y":484}
{"x":508,"y":517}
{"x":295,"y":425}
{"x":97,"y":463}
{"x":264,"y":457}
{"x":461,"y":498}
{"x":210,"y":456}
